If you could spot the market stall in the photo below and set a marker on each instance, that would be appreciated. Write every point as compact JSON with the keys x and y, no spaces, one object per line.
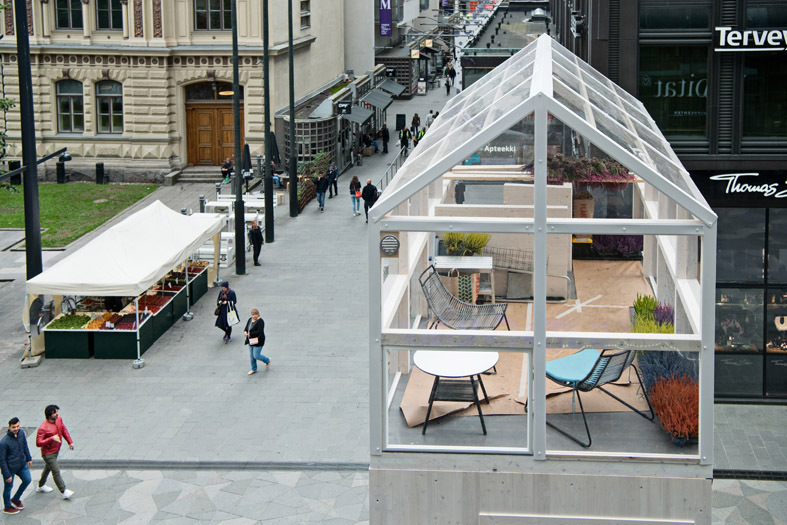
{"x":126,"y":287}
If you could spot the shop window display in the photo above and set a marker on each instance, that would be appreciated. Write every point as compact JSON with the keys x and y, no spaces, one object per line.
{"x":738,"y":320}
{"x":764,"y":103}
{"x":741,"y":242}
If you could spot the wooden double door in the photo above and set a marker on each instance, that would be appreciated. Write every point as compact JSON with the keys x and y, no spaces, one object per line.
{"x":210,"y":133}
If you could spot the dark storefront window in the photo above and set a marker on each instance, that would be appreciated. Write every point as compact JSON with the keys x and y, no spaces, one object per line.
{"x":673,"y":85}
{"x":674,"y":17}
{"x":741,"y":242}
{"x":777,"y":246}
{"x":764,"y":100}
{"x":767,"y":16}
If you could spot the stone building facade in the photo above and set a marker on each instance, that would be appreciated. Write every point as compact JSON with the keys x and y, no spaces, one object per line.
{"x":137,"y":84}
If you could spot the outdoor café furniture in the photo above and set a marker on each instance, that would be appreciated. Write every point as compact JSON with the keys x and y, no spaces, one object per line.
{"x":477,"y":263}
{"x":447,"y":367}
{"x":589,"y":369}
{"x":457,"y":314}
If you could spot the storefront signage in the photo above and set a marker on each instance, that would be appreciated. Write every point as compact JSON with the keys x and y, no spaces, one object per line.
{"x":473,"y":6}
{"x":767,"y":188}
{"x":415,"y":53}
{"x":344,"y":108}
{"x":385,"y":18}
{"x":390,"y":72}
{"x":729,"y":39}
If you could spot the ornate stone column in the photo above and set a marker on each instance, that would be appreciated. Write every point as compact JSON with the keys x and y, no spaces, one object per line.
{"x":125,"y":17}
{"x":45,"y":29}
{"x":85,"y":19}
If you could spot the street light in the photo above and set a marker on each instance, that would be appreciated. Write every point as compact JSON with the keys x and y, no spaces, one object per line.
{"x":240,"y":212}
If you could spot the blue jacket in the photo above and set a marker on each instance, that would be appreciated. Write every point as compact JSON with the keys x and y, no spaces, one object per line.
{"x":13,"y":453}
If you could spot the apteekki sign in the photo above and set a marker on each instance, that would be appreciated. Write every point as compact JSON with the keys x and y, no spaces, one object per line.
{"x":730,"y":39}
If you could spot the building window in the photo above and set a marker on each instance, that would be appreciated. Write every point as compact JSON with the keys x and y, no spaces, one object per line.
{"x":69,"y":14}
{"x":109,"y":99}
{"x":70,"y":112}
{"x":764,"y":103}
{"x":673,"y":85}
{"x":213,"y":15}
{"x":109,"y":14}
{"x":674,"y":17}
{"x":306,"y":19}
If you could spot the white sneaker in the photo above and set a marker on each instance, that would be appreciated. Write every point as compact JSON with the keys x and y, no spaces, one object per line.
{"x":44,"y":489}
{"x":67,"y":494}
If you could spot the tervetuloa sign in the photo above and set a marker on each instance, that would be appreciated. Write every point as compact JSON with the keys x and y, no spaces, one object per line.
{"x":729,"y":39}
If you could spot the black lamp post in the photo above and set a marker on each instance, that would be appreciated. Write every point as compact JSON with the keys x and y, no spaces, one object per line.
{"x":268,"y":181}
{"x":292,"y":167}
{"x":240,"y":212}
{"x":33,"y":259}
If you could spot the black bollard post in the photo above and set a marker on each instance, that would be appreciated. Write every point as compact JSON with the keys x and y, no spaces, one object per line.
{"x":99,"y":173}
{"x":61,"y":172}
{"x":15,"y":165}
{"x":202,"y":204}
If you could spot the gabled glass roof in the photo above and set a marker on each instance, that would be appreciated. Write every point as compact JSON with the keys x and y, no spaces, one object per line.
{"x":574,"y":92}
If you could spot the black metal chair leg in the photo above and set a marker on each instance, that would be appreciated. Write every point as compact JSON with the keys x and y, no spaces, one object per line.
{"x":486,"y":397}
{"x":584,"y":419}
{"x":431,"y":400}
{"x":643,"y":414}
{"x":478,"y":403}
{"x":506,"y":320}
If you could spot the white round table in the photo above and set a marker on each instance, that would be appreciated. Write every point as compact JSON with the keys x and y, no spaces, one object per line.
{"x":453,"y":365}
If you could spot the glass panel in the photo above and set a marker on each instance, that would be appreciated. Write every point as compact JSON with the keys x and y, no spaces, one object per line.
{"x":109,"y":87}
{"x":79,"y":123}
{"x":103,"y":123}
{"x":674,"y":17}
{"x":411,"y":376}
{"x":776,"y":321}
{"x":215,"y":20}
{"x":569,"y":99}
{"x":201,"y":91}
{"x":227,"y":17}
{"x":117,"y":105}
{"x":767,"y":16}
{"x":103,"y":19}
{"x":673,"y":85}
{"x":764,"y":103}
{"x":117,"y":19}
{"x":777,"y":246}
{"x":64,"y":123}
{"x":741,"y":243}
{"x":775,"y":375}
{"x":201,"y":20}
{"x":72,"y":87}
{"x":62,"y":18}
{"x":738,"y":320}
{"x":76,"y":14}
{"x":738,"y":375}
{"x":117,"y":123}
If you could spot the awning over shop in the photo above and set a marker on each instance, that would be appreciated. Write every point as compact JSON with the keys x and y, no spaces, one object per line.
{"x":429,"y":50}
{"x":131,"y":256}
{"x":359,"y":115}
{"x":378,"y":98}
{"x":392,"y":87}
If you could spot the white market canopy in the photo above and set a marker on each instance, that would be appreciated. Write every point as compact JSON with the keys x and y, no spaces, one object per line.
{"x":129,"y":257}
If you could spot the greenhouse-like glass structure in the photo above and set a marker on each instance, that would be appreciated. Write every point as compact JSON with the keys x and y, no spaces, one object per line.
{"x":542,"y":273}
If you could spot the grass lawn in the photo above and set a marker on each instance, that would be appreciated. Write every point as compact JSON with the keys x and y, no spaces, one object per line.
{"x":68,"y":211}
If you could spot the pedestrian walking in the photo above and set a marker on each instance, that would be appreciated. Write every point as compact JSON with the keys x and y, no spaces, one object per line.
{"x":447,"y":87}
{"x":322,"y":186}
{"x":418,"y":136}
{"x":49,"y":439}
{"x":15,"y":460}
{"x":355,"y":195}
{"x":255,"y":237}
{"x":226,"y":312}
{"x":429,"y":118}
{"x":369,"y":196}
{"x":404,"y":139}
{"x":255,"y":338}
{"x":385,"y":136}
{"x":333,"y":174}
{"x":416,"y":122}
{"x":451,"y":73}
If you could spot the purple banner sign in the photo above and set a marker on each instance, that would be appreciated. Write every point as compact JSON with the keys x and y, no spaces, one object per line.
{"x":385,"y":18}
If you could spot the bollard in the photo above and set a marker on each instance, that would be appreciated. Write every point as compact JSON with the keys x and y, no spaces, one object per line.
{"x":15,"y":165}
{"x":61,"y":172}
{"x":202,"y":204}
{"x":184,"y":211}
{"x":99,"y":173}
{"x":218,"y":190}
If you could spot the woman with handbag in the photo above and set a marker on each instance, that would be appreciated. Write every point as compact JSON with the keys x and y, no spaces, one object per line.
{"x":255,"y":338}
{"x":226,"y":313}
{"x":355,"y":195}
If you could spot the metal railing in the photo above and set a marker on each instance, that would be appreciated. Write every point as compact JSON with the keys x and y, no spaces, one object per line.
{"x":393,"y":167}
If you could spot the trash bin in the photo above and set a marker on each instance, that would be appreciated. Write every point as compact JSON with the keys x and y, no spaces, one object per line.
{"x":60,"y":169}
{"x":99,"y":173}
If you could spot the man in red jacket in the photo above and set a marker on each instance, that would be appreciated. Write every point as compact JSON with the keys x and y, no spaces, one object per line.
{"x":49,"y":439}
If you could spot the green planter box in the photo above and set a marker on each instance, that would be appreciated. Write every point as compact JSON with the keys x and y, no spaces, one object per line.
{"x":68,"y":344}
{"x":122,"y":344}
{"x":198,"y":286}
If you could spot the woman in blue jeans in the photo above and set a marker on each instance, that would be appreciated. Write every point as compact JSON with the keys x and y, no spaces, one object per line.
{"x":255,"y":338}
{"x":355,"y":189}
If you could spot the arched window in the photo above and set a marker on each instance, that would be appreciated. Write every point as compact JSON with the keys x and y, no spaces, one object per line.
{"x":109,"y":101}
{"x":70,"y":110}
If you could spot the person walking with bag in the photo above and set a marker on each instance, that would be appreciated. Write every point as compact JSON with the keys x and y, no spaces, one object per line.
{"x":49,"y":439}
{"x":321,"y":187}
{"x":15,"y":460}
{"x":369,"y":196}
{"x":226,"y":313}
{"x":255,"y":338}
{"x":355,"y":195}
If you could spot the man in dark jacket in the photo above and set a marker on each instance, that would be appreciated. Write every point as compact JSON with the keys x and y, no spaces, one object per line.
{"x":15,"y":460}
{"x":404,"y":139}
{"x":369,"y":196}
{"x":333,"y":175}
{"x":385,"y":136}
{"x":255,"y":237}
{"x":322,"y":186}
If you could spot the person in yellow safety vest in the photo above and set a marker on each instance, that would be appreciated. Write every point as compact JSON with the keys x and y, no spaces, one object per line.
{"x":404,"y":139}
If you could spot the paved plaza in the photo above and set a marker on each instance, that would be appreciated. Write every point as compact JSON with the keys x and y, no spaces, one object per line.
{"x":192,"y":437}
